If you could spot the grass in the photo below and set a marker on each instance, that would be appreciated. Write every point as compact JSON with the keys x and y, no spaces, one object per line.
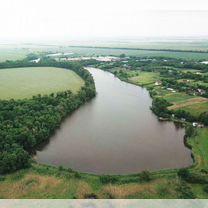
{"x":195,"y":105}
{"x":199,"y":144}
{"x":145,"y":78}
{"x":196,"y":108}
{"x":42,"y":181}
{"x":177,"y":97}
{"x":19,"y":83}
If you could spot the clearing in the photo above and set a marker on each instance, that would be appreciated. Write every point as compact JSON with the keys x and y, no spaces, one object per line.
{"x":19,"y":83}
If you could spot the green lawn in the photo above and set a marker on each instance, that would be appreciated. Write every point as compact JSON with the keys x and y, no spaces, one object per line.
{"x":18,"y":83}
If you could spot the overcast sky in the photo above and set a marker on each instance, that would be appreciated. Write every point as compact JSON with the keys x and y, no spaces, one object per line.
{"x":53,"y":20}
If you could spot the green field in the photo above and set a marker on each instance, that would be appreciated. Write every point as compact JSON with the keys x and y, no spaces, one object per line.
{"x":18,"y":83}
{"x":145,"y":78}
{"x":197,"y":108}
{"x":195,"y":105}
{"x":12,"y":54}
{"x":139,"y":53}
{"x":177,"y":97}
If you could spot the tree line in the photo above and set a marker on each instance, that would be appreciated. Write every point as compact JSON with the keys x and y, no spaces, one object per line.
{"x":28,"y":122}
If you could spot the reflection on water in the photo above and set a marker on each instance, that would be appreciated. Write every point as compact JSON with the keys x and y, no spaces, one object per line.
{"x":116,"y":133}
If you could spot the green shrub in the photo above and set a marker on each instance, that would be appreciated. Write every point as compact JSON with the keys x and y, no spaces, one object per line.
{"x":183,"y":173}
{"x":108,"y":179}
{"x":77,"y":175}
{"x":145,"y":176}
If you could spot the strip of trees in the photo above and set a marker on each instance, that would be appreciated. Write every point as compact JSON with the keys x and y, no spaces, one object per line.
{"x":28,"y":122}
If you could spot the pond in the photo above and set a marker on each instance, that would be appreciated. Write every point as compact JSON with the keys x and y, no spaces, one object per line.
{"x":116,"y":133}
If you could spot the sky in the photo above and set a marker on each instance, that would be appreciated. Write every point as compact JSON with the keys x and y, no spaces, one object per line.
{"x":63,"y":20}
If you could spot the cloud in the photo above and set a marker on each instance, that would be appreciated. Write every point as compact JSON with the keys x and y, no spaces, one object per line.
{"x":25,"y":20}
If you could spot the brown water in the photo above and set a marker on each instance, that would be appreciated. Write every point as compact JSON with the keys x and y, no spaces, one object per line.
{"x":116,"y":133}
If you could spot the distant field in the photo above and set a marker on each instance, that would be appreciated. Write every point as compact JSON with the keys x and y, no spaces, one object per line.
{"x":17,"y":52}
{"x":177,"y":44}
{"x":13,"y":54}
{"x":21,"y":83}
{"x":139,"y":53}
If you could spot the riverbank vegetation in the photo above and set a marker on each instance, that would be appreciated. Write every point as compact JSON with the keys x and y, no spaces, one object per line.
{"x":42,"y":181}
{"x":27,"y":122}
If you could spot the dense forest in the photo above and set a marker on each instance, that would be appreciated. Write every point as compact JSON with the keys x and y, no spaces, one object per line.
{"x":28,"y":122}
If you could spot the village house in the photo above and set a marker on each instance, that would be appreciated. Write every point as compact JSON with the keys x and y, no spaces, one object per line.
{"x":186,"y":80}
{"x":157,"y":83}
{"x":201,"y":91}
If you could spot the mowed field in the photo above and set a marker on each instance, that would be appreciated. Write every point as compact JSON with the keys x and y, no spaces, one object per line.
{"x":19,"y":83}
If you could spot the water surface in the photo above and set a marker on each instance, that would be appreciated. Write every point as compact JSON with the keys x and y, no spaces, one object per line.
{"x":116,"y":133}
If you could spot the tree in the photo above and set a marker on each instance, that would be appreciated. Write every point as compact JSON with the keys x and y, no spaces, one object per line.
{"x":145,"y":176}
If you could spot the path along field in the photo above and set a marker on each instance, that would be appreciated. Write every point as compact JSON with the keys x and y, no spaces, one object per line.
{"x":19,"y":83}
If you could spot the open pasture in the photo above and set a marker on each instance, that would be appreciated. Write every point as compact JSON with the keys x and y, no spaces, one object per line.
{"x":19,"y":83}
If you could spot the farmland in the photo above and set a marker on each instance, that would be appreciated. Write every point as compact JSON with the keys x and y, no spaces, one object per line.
{"x":12,"y":53}
{"x":87,"y":51}
{"x":21,"y":83}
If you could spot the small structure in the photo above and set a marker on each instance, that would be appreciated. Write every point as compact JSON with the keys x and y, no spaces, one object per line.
{"x":171,"y":89}
{"x":204,"y":62}
{"x":186,"y":80}
{"x":35,"y":60}
{"x":199,"y":125}
{"x":201,"y":91}
{"x":157,"y":83}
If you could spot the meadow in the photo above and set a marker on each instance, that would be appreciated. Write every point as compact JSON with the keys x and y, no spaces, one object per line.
{"x":145,"y":78}
{"x":19,"y":83}
{"x":14,"y":52}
